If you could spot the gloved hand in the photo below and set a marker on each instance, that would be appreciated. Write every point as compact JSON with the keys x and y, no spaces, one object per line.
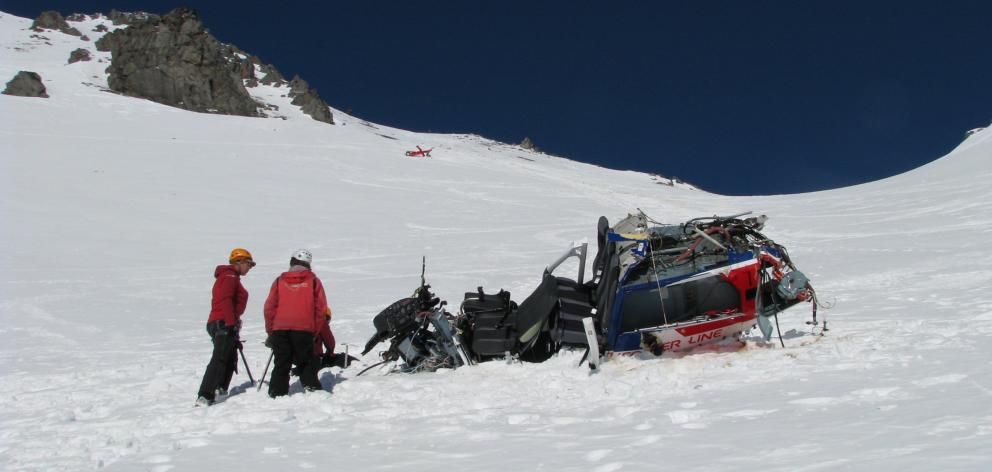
{"x":239,"y":345}
{"x":268,"y":341}
{"x":337,"y":360}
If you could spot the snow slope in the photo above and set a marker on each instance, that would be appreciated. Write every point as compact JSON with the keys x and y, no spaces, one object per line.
{"x":115,"y":211}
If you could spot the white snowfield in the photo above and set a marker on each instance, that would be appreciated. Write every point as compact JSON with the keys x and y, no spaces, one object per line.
{"x":114,"y":212}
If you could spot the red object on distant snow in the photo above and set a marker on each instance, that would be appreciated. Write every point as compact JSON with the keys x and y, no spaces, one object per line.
{"x":420,"y":152}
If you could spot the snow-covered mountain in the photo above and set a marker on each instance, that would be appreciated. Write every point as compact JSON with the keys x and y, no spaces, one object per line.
{"x":114,"y":212}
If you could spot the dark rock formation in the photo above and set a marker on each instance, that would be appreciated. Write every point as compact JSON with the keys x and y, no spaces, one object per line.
{"x":529,"y":145}
{"x":971,"y":132}
{"x":243,"y":64}
{"x":272,"y":76}
{"x":26,"y":84}
{"x":79,"y":55}
{"x":125,"y":18}
{"x":53,"y":20}
{"x":298,"y":86}
{"x":308,"y":100}
{"x":174,"y":60}
{"x":103,"y":44}
{"x":101,"y":29}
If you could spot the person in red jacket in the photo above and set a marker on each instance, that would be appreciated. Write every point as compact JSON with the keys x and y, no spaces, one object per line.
{"x":294,"y":316}
{"x":323,"y":347}
{"x":227,"y":305}
{"x":325,"y":338}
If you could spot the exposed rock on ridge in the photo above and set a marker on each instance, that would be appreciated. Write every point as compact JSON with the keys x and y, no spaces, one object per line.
{"x":26,"y":84}
{"x":529,"y":145}
{"x":79,"y":55}
{"x":309,"y":102}
{"x":272,"y":76}
{"x":126,"y":18}
{"x":53,"y":20}
{"x":174,"y":60}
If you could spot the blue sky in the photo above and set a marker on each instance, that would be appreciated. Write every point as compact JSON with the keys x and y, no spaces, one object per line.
{"x":737,"y":97}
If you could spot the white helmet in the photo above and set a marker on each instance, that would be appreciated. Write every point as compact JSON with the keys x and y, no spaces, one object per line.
{"x":303,"y":255}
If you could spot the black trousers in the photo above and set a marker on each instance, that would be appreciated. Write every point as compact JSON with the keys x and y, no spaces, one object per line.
{"x":223,"y":361}
{"x":288,"y":348}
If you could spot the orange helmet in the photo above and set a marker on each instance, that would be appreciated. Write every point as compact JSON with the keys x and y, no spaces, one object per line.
{"x":239,"y":253}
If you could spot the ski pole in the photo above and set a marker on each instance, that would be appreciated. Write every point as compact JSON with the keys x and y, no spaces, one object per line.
{"x":242,"y":351}
{"x":266,"y":371}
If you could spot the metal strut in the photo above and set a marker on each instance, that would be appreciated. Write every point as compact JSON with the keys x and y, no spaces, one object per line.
{"x":657,"y":282}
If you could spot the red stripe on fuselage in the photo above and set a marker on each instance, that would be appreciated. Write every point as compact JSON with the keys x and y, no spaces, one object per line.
{"x":705,"y":326}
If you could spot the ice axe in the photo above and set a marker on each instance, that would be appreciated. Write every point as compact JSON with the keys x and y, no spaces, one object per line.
{"x":346,"y":360}
{"x":248,"y":369}
{"x":266,"y":371}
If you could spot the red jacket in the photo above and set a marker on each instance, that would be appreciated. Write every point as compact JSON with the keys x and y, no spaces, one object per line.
{"x":229,"y":296}
{"x":325,"y":338}
{"x":296,"y":302}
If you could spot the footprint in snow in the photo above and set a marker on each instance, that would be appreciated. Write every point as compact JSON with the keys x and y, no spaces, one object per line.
{"x":647,"y":440}
{"x":565,"y":420}
{"x":485,"y":437}
{"x":597,"y":455}
{"x":749,"y":414}
{"x":159,"y":463}
{"x":940,"y":380}
{"x":611,"y":467}
{"x":688,"y":418}
{"x":817,"y":401}
{"x":522,"y":419}
{"x":190,"y":443}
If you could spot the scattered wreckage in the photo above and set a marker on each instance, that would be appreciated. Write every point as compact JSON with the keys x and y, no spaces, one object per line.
{"x":420,"y":152}
{"x":655,"y":288}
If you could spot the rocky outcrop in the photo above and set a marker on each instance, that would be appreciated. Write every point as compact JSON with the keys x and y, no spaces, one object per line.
{"x":26,"y":84}
{"x":272,"y":76}
{"x":79,"y":55}
{"x":52,"y":20}
{"x":308,"y":100}
{"x":125,"y":18}
{"x":173,"y":60}
{"x":972,"y":132}
{"x":104,"y":43}
{"x":529,"y":145}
